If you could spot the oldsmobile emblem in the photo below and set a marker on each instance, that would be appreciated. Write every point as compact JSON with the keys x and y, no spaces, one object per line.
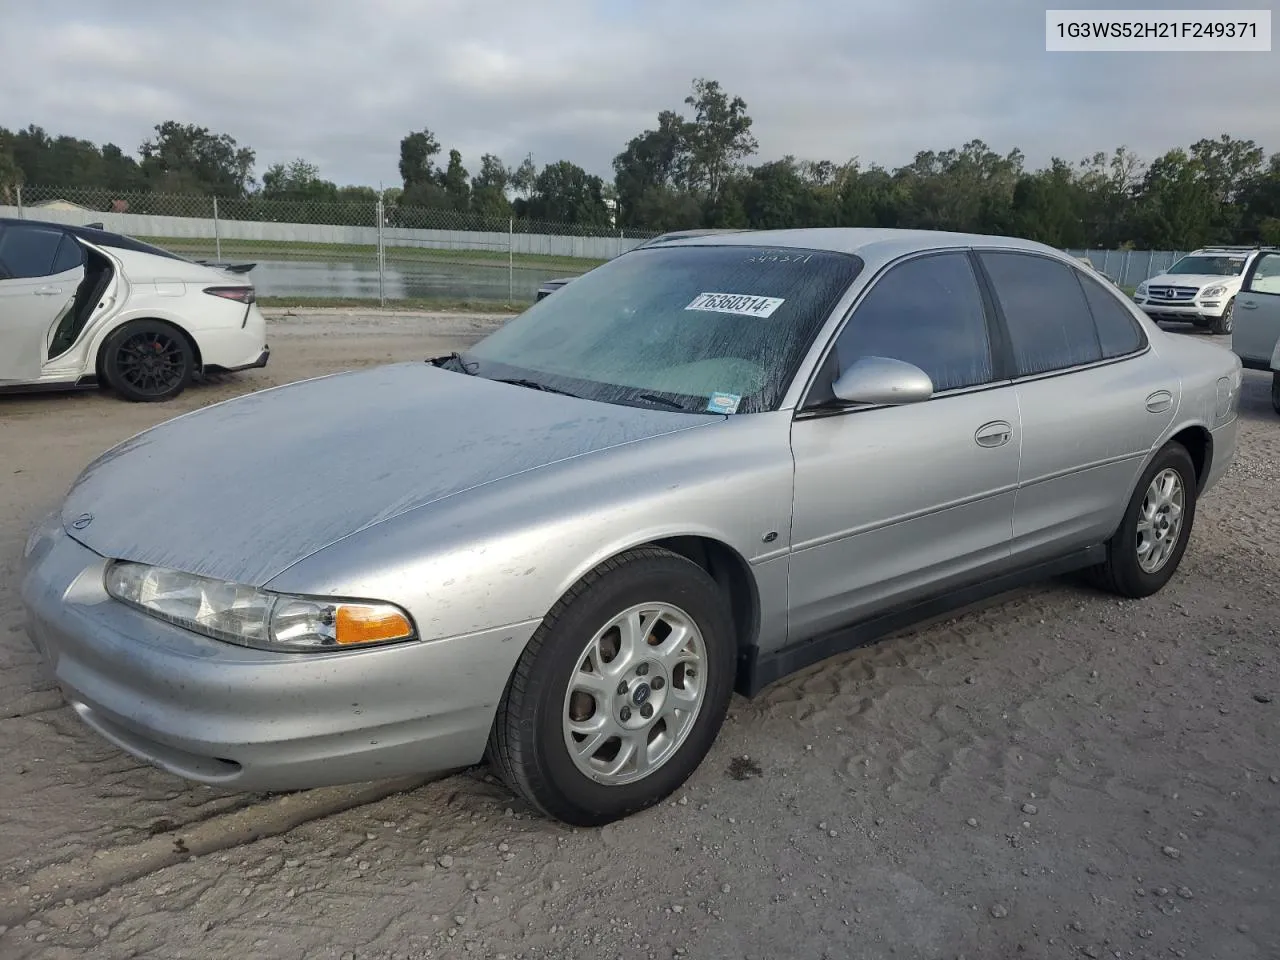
{"x":82,"y":521}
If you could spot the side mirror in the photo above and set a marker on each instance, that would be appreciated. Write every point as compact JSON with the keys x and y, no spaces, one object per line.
{"x":883,"y":380}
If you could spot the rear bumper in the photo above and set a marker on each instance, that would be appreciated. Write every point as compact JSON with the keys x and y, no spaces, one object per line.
{"x":257,"y":364}
{"x":1223,"y":451}
{"x":246,"y":719}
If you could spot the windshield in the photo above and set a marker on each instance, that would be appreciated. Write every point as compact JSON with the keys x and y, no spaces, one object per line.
{"x":718,"y":329}
{"x":1209,"y":266}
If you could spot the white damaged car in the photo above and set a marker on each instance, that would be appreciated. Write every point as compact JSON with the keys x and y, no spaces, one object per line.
{"x":83,"y":307}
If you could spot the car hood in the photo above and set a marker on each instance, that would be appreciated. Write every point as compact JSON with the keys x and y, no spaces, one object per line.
{"x":243,"y":489}
{"x":1188,"y":280}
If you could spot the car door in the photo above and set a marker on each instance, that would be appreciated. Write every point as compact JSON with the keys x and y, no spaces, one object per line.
{"x":894,"y":503}
{"x":1093,"y":397}
{"x":38,"y":281}
{"x":1257,"y":314}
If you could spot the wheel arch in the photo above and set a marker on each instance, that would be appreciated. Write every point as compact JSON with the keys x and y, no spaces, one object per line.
{"x":730,"y":570}
{"x":1198,"y":442}
{"x":158,"y":317}
{"x":723,"y":563}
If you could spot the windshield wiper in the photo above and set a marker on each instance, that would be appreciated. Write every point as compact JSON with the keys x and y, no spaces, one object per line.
{"x":535,"y":385}
{"x":467,"y":368}
{"x":661,"y":401}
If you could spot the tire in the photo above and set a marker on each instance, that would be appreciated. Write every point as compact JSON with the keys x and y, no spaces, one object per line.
{"x":147,"y":361}
{"x":1275,"y":391}
{"x":540,"y":714}
{"x":1124,"y":572}
{"x":1222,"y":325}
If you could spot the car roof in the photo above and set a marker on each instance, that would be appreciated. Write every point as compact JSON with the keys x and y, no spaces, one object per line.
{"x":102,"y":238}
{"x":869,"y":243}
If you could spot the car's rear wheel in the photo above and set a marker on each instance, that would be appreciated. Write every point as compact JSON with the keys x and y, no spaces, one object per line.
{"x":1275,"y":391}
{"x":620,"y":693}
{"x":147,"y":360}
{"x":1222,"y":325}
{"x":1144,"y":553}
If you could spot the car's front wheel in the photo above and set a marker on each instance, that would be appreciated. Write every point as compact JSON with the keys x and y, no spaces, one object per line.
{"x":1275,"y":391}
{"x":1145,"y":551}
{"x":1222,"y":325}
{"x":147,"y":360}
{"x":621,"y":691}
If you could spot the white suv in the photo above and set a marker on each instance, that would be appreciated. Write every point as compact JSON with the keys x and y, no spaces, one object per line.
{"x":1200,"y":288}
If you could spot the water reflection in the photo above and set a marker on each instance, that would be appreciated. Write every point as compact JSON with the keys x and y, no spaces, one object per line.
{"x":359,"y":279}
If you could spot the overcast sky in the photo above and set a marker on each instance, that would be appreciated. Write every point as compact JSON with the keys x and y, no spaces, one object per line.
{"x":341,"y":82}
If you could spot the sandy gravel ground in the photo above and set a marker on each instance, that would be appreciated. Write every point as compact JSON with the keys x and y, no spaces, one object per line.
{"x":1056,"y":775}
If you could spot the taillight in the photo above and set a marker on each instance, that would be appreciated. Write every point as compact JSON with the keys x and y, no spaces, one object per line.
{"x":238,"y":294}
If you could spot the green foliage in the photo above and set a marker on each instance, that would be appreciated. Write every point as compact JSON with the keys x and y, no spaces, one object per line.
{"x":184,"y":158}
{"x":691,"y":171}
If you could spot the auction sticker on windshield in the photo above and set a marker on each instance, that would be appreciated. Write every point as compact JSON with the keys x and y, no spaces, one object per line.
{"x":743,"y":304}
{"x":723,"y":403}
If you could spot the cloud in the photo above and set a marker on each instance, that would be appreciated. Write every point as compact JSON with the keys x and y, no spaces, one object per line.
{"x":341,"y":83}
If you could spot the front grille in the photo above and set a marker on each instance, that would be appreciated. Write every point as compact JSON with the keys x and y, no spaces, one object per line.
{"x":1172,"y":294}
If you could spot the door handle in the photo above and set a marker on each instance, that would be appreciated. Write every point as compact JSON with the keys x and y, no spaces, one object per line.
{"x":1160,"y":401}
{"x":48,"y":291}
{"x":1249,"y":304}
{"x":993,"y":434}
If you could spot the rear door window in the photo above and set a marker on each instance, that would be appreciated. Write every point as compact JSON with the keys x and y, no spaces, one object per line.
{"x":1050,"y":325}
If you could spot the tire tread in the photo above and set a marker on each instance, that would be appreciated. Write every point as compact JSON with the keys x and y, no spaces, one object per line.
{"x":507,"y":748}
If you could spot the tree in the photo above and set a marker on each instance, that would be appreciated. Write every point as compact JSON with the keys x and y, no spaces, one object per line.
{"x":1177,"y":207}
{"x":489,"y":189}
{"x":299,"y":180}
{"x":184,"y":158}
{"x":417,"y":158}
{"x":457,"y":189}
{"x":653,"y":170}
{"x":719,"y":137}
{"x":566,"y":193}
{"x":523,"y":177}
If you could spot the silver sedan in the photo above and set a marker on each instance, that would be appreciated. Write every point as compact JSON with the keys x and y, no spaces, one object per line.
{"x":698,"y":468}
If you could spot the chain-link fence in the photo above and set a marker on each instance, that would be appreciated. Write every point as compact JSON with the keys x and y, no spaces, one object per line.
{"x":370,"y":249}
{"x":346,"y":249}
{"x":1128,"y":268}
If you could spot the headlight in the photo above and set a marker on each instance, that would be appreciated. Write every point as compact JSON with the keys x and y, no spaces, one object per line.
{"x":1213,"y":291}
{"x":252,"y":617}
{"x":1141,"y":291}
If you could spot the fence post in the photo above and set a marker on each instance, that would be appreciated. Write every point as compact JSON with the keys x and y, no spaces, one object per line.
{"x":217,"y":234}
{"x":511,"y":260}
{"x":382,"y":295}
{"x":21,"y":214}
{"x":1124,"y":268}
{"x":619,"y":241}
{"x":1151,"y":256}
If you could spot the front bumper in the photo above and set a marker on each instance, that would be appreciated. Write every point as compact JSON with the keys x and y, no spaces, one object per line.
{"x":1189,"y":313}
{"x":254,"y":720}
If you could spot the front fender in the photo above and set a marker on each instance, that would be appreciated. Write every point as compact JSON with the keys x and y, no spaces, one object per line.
{"x":505,"y":552}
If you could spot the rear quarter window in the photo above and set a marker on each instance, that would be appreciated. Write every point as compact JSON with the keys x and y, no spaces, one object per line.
{"x":1118,"y":332}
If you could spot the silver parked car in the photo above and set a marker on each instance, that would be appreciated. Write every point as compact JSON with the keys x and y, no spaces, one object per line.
{"x":698,"y":468}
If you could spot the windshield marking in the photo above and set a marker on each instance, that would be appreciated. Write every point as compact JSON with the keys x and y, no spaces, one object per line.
{"x":743,"y":304}
{"x":723,"y":403}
